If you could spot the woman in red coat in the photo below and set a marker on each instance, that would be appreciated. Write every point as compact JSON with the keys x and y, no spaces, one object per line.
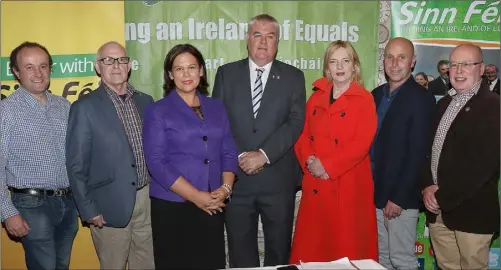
{"x":337,"y":216}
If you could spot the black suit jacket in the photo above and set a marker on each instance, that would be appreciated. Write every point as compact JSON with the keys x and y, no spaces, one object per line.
{"x":99,"y":158}
{"x":468,"y":169}
{"x":400,"y":145}
{"x":276,"y":129}
{"x":438,"y":87}
{"x":496,"y":88}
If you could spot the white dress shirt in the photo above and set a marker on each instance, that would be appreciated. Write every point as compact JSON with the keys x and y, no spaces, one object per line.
{"x":253,"y":74}
{"x":493,"y":83}
{"x":264,"y":79}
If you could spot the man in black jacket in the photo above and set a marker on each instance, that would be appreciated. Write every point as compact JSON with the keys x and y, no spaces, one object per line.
{"x":441,"y":85}
{"x":462,"y":170}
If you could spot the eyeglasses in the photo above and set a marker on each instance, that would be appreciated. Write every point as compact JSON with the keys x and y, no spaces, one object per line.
{"x":455,"y":65}
{"x":111,"y":61}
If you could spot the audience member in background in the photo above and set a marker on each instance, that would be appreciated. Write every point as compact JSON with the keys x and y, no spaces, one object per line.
{"x":337,"y":216}
{"x":492,"y":75}
{"x":192,"y":158}
{"x":430,"y":78}
{"x":462,"y":170}
{"x":422,"y":79}
{"x":265,"y":99}
{"x":40,"y":210}
{"x":106,"y":164}
{"x":405,"y":111}
{"x":440,"y":87}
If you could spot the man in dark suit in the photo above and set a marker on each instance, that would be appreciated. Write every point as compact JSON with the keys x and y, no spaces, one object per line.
{"x":106,"y":165}
{"x":405,"y":111}
{"x":462,"y":169}
{"x":265,"y":100}
{"x":492,"y":76}
{"x":441,"y":85}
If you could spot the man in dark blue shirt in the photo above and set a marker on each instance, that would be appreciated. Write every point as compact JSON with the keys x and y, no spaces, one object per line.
{"x":405,"y":111}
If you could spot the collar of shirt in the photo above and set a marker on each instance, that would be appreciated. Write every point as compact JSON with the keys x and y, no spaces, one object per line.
{"x":444,"y":80}
{"x":32,"y":101}
{"x":391,"y":95}
{"x":129,"y":92}
{"x":466,"y":95}
{"x":253,"y":73}
{"x":493,"y":83}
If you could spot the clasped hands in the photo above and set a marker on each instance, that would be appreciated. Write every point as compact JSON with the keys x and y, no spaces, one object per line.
{"x":314,"y":165}
{"x":211,"y":202}
{"x":252,"y":162}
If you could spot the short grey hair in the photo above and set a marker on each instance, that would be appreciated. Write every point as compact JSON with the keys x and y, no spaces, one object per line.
{"x":492,"y":65}
{"x":264,"y":18}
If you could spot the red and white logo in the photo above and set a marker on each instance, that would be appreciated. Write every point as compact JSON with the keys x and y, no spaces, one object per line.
{"x":419,"y":248}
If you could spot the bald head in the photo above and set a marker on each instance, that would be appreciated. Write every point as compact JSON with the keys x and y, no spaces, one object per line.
{"x":109,"y":46}
{"x":471,"y":49}
{"x":401,"y":42}
{"x":113,"y":66}
{"x":399,"y":60}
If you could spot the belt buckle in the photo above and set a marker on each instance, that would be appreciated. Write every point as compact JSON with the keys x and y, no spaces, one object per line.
{"x":58,"y":192}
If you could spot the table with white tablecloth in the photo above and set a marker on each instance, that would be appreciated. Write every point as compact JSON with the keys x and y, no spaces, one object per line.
{"x":339,"y":264}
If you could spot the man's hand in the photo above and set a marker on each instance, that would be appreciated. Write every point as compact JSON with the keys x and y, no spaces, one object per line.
{"x":315,"y":167}
{"x":252,"y":162}
{"x":16,"y":226}
{"x":430,"y":202}
{"x":392,"y":210}
{"x":97,"y":221}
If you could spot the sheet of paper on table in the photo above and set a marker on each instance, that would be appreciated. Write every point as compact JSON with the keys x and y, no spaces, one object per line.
{"x":343,"y":263}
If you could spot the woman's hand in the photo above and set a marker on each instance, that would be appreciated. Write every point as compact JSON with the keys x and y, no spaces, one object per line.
{"x":205,"y":201}
{"x":316,"y":168}
{"x":220,"y":194}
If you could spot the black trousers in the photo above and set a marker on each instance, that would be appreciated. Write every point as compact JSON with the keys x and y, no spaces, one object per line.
{"x":186,"y":237}
{"x":277,"y":215}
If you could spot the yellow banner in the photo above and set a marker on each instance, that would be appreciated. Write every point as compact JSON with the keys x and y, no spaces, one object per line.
{"x":69,"y":30}
{"x":72,"y":32}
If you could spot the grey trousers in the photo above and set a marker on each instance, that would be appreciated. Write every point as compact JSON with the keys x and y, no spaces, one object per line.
{"x":396,"y":239}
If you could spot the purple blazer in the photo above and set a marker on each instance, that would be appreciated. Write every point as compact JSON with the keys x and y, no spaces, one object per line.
{"x":178,"y":143}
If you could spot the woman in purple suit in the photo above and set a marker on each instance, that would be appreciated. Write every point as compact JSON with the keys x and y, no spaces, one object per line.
{"x":192,"y":159}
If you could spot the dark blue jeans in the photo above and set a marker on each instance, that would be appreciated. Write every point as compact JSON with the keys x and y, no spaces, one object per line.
{"x":53,"y":222}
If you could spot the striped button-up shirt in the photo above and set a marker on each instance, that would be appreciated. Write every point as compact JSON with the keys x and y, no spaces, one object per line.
{"x":457,"y":103}
{"x":32,"y":138}
{"x":132,"y":123}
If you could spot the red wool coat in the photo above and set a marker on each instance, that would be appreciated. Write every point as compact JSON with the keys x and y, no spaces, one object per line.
{"x":337,"y":217}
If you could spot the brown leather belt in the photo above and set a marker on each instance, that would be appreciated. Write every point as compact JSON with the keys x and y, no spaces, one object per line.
{"x":42,"y":192}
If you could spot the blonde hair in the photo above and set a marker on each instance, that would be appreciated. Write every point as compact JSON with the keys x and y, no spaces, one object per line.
{"x":334,"y":46}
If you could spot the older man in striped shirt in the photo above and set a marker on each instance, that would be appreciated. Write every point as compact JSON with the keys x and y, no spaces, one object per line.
{"x":40,"y":209}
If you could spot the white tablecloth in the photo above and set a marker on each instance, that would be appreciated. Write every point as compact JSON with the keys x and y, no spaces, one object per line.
{"x":360,"y":264}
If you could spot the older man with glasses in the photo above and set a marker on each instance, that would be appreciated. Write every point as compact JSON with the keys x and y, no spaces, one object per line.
{"x":106,"y":164}
{"x":462,"y":171}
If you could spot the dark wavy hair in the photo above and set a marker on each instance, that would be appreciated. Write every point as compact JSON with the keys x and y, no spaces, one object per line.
{"x":13,"y":65}
{"x":169,"y":84}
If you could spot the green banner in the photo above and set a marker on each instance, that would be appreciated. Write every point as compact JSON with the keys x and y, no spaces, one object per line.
{"x":435,"y":27}
{"x":436,"y":20}
{"x":218,"y":30}
{"x":64,"y":66}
